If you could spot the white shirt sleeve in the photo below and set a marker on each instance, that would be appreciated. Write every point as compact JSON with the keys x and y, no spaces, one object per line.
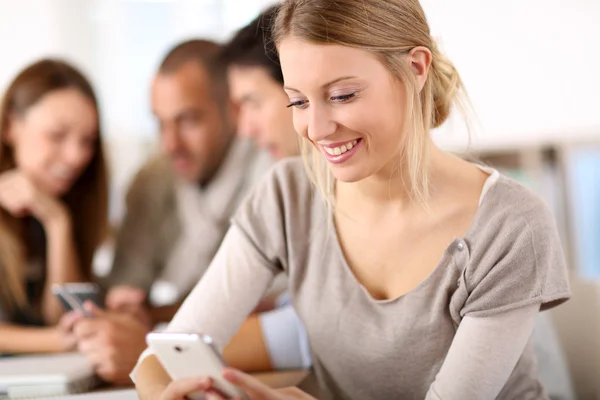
{"x":483,"y":354}
{"x":285,"y":338}
{"x":229,"y":290}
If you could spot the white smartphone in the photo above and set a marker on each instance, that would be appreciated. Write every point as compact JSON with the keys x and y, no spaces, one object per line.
{"x":74,"y":295}
{"x":189,"y":355}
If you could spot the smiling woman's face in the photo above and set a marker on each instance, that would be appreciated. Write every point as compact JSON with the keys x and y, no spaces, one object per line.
{"x":55,"y":139}
{"x":347,"y":103}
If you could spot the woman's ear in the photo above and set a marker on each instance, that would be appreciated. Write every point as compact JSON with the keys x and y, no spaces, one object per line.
{"x":420,"y":61}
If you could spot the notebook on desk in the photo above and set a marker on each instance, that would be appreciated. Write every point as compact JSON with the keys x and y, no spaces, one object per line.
{"x":44,"y":376}
{"x":129,"y":394}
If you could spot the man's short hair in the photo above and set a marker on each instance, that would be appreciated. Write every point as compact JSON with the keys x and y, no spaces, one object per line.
{"x":207,"y":55}
{"x":252,"y":46}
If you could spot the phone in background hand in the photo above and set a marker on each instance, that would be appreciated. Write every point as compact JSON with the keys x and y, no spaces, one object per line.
{"x":190,"y":355}
{"x":74,"y":295}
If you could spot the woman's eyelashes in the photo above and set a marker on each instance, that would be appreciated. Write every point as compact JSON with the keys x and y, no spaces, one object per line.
{"x":341,"y":99}
{"x":298,"y":104}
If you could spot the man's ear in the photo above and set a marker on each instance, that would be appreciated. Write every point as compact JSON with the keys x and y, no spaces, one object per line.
{"x":233,"y":112}
{"x":419,"y":59}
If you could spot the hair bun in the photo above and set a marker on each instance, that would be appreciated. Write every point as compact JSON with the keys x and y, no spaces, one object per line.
{"x":446,"y":84}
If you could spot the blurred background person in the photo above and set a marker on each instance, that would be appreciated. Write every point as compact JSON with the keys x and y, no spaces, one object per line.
{"x":178,"y":210}
{"x":185,"y":195}
{"x":256,"y":87}
{"x":53,"y":201}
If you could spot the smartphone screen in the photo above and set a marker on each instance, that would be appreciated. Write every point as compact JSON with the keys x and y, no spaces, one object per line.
{"x":73,"y":295}
{"x":191,"y":355}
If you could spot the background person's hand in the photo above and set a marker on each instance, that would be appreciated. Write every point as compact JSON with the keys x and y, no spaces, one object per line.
{"x":112,"y":342}
{"x":122,"y":297}
{"x":21,"y":197}
{"x":130,"y":300}
{"x":64,"y":331}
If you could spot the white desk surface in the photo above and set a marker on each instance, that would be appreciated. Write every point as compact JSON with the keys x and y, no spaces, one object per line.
{"x":127,"y":394}
{"x":273,"y":379}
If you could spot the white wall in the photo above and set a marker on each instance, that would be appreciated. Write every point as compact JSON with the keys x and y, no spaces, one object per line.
{"x":19,"y":43}
{"x":530,"y":66}
{"x":118,"y":44}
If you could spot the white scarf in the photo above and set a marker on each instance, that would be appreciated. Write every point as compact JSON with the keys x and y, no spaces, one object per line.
{"x":204,"y":215}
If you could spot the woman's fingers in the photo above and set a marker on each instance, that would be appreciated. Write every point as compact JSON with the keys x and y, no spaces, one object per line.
{"x":68,"y":320}
{"x":180,"y":389}
{"x":254,"y":388}
{"x":294,"y":393}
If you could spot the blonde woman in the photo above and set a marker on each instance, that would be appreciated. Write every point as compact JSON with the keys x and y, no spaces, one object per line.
{"x":417,"y":274}
{"x":52,"y":201}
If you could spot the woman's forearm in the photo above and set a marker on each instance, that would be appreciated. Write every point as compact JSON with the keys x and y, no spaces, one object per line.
{"x":27,"y":340}
{"x":62,"y":266}
{"x":218,"y":305}
{"x":247,"y":350}
{"x":150,"y":379}
{"x":483,"y":354}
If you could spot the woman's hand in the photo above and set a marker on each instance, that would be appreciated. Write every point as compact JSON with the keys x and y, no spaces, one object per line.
{"x":20,"y":197}
{"x":254,"y":389}
{"x":182,"y":388}
{"x":65,"y":338}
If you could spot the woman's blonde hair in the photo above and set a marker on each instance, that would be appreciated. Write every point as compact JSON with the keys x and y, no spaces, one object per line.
{"x":86,"y":201}
{"x":389,"y":29}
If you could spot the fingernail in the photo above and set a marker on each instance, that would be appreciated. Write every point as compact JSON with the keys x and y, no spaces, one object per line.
{"x":204,"y":381}
{"x":230,"y":374}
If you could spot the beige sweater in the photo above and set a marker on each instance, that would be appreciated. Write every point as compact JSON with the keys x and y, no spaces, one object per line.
{"x":464,"y":332}
{"x":173,"y":228}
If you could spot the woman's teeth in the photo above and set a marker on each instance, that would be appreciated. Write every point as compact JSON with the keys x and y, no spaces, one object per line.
{"x":61,"y":173}
{"x":336,"y":151}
